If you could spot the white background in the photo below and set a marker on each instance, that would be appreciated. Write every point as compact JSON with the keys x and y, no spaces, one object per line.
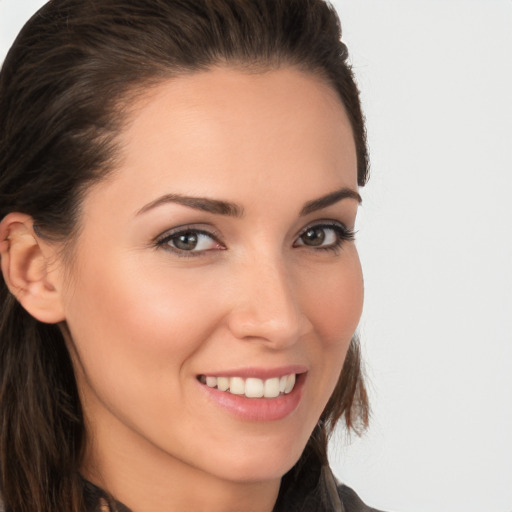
{"x":435,"y":237}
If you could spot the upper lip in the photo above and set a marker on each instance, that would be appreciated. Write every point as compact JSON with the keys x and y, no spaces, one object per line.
{"x":258,"y":373}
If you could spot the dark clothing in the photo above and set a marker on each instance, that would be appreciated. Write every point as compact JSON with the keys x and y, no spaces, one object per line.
{"x":315,"y":489}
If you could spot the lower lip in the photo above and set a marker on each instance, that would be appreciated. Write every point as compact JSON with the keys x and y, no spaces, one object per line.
{"x":258,"y":409}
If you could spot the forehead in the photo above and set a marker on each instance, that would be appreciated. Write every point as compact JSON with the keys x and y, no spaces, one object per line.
{"x":226,"y":132}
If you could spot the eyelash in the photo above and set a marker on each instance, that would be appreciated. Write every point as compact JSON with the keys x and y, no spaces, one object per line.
{"x":164,"y":241}
{"x":342,"y":233}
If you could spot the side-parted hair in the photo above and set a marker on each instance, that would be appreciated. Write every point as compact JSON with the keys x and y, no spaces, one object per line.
{"x":65,"y":91}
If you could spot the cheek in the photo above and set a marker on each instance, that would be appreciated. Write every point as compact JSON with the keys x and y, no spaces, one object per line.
{"x":132,"y":323}
{"x":135,"y":333}
{"x":335,"y":315}
{"x":143,"y":314}
{"x":337,"y":300}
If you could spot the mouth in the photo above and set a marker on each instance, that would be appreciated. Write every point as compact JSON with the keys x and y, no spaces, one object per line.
{"x":251,"y":387}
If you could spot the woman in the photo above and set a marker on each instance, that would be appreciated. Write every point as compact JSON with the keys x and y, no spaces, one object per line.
{"x":180,"y":283}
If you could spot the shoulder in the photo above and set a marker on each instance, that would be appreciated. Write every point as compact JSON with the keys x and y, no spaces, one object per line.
{"x":351,"y":501}
{"x":347,"y":499}
{"x":314,"y":488}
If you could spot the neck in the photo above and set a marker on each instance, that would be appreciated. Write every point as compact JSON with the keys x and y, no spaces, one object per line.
{"x":147,"y":479}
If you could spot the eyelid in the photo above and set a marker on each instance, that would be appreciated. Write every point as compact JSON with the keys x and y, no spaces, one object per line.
{"x":344,"y":233}
{"x":325,"y":223}
{"x":161,"y":240}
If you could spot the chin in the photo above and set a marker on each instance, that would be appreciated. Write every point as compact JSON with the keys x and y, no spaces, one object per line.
{"x":259,"y":462}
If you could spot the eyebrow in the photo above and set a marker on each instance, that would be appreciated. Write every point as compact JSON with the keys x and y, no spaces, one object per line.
{"x":330,"y":199}
{"x":198,"y":203}
{"x":230,"y":209}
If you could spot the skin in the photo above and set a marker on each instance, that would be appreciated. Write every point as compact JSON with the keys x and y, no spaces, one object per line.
{"x":143,"y":321}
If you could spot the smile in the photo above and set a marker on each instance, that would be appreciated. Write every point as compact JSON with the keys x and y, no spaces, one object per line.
{"x":251,"y":387}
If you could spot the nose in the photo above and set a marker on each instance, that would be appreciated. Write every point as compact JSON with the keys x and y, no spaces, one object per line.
{"x":267,"y":304}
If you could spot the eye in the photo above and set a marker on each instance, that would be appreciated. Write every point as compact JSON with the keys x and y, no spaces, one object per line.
{"x":192,"y":241}
{"x":324,"y":236}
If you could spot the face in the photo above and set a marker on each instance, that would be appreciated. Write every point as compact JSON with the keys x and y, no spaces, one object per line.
{"x":218,"y":255}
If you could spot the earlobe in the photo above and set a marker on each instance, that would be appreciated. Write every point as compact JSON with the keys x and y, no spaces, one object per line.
{"x":26,"y":266}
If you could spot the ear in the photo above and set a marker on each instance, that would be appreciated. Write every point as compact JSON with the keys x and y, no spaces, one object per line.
{"x":27,"y":262}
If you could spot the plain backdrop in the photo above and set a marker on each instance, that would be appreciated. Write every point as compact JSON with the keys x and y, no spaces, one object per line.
{"x":435,"y":238}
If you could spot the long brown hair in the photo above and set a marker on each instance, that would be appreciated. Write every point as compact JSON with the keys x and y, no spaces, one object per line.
{"x":64,"y":87}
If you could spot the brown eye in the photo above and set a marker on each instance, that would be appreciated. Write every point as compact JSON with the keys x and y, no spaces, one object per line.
{"x":314,"y":236}
{"x":190,"y":241}
{"x":185,"y":241}
{"x":324,"y":236}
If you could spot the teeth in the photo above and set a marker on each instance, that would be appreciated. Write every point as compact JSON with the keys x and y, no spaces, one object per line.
{"x":252,"y":387}
{"x":290,"y":382}
{"x":271,"y":388}
{"x":282,"y":383}
{"x":211,"y":382}
{"x":237,"y":386}
{"x":222,"y":383}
